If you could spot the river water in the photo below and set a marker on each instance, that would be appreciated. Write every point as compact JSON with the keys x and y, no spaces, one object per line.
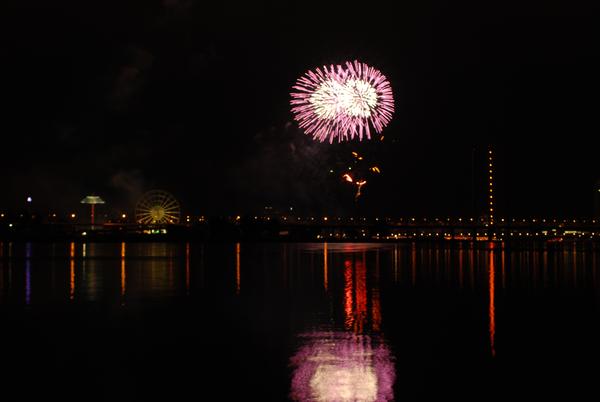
{"x":298,"y":321}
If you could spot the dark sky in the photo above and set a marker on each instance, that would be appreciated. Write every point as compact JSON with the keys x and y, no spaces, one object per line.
{"x":119,"y":97}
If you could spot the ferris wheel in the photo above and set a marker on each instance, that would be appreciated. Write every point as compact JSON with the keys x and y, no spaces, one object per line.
{"x":157,"y":207}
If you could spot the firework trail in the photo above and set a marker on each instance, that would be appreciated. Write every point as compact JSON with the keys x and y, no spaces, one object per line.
{"x":359,"y":182}
{"x":359,"y":185}
{"x":342,"y":102}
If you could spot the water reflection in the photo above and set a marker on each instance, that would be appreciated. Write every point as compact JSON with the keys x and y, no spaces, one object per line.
{"x":396,"y":263}
{"x":325,"y":270}
{"x":330,"y":321}
{"x":10,"y":265}
{"x":492,"y":306}
{"x":72,"y":272}
{"x":123,"y":272}
{"x":342,"y":366}
{"x":1,"y":271}
{"x":95,"y":271}
{"x":91,"y":268}
{"x":356,"y":314}
{"x":503,"y":266}
{"x":413,"y":262}
{"x":461,"y":253}
{"x":351,"y":362}
{"x":375,"y":301}
{"x":187,"y":268}
{"x":237,"y":269}
{"x":27,"y":273}
{"x":348,"y":294}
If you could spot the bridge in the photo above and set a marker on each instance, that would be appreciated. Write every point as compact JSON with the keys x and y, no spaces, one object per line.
{"x":313,"y":228}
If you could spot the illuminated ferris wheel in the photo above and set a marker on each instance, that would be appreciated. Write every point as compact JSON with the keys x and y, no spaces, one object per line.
{"x":157,"y":207}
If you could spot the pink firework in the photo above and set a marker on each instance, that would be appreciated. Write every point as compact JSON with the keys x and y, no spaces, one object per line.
{"x":342,"y":102}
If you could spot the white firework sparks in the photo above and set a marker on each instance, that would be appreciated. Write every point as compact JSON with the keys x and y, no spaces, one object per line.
{"x":341,"y":102}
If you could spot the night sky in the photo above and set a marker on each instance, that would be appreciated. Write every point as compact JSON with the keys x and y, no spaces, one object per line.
{"x":119,"y":97}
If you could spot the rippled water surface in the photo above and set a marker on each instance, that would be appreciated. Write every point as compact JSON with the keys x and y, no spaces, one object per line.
{"x":305,"y":322}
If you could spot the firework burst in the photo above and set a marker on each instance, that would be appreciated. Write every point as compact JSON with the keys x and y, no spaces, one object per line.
{"x":342,"y":102}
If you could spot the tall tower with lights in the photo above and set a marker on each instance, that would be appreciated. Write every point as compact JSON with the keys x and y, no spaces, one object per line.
{"x":491,"y":186}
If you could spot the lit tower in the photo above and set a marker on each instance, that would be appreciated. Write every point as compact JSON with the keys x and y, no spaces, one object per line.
{"x":491,"y":185}
{"x":92,"y":200}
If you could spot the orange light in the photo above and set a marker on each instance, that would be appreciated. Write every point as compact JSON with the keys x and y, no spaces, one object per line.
{"x":376,"y":308}
{"x":72,"y":279}
{"x":348,"y":178}
{"x":72,"y":272}
{"x":360,"y":313}
{"x":359,"y":185}
{"x":348,"y":296}
{"x":123,"y":270}
{"x":492,"y":313}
